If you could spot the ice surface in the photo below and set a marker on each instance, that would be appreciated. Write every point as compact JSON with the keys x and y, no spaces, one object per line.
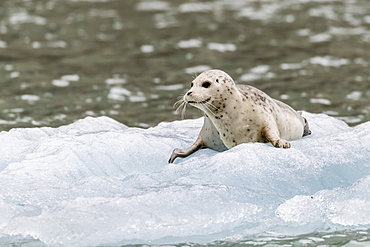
{"x":97,"y":181}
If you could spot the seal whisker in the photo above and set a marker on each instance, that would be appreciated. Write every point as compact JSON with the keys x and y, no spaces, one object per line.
{"x":180,"y":108}
{"x":183,"y":111}
{"x":209,"y":108}
{"x":178,"y":103}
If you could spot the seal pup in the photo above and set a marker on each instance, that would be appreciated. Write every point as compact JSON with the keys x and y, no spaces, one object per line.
{"x":235,"y":114}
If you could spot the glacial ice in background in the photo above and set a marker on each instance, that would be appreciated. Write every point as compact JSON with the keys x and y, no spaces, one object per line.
{"x":97,"y":181}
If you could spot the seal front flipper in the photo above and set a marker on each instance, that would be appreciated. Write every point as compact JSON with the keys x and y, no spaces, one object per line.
{"x":208,"y":138}
{"x":198,"y":144}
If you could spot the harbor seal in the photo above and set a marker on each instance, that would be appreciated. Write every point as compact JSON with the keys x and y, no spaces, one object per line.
{"x":235,"y":114}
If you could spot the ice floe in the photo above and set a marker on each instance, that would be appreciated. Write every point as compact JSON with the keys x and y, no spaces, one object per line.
{"x":97,"y":181}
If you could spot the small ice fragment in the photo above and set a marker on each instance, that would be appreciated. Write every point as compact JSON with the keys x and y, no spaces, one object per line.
{"x":147,"y":48}
{"x":70,"y":78}
{"x":60,"y":83}
{"x":170,"y":87}
{"x":15,"y":74}
{"x":192,"y":43}
{"x":250,"y":77}
{"x":115,"y":81}
{"x":197,"y":69}
{"x":321,"y":37}
{"x":196,"y":7}
{"x":153,"y":6}
{"x":290,"y":66}
{"x":355,"y":95}
{"x":137,"y":98}
{"x":30,"y":97}
{"x":3,"y":44}
{"x":221,"y":47}
{"x":260,"y":69}
{"x":329,"y":61}
{"x":321,"y":101}
{"x":118,"y":93}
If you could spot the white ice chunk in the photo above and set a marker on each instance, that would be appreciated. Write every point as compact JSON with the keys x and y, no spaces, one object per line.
{"x":24,"y":17}
{"x":30,"y":97}
{"x":147,"y":48}
{"x":197,"y":69}
{"x":170,"y":87}
{"x":99,"y":182}
{"x":115,"y":81}
{"x":221,"y":47}
{"x":320,"y":101}
{"x":60,"y":83}
{"x":3,"y":44}
{"x":119,"y":93}
{"x":191,"y":43}
{"x":70,"y":77}
{"x":153,"y":6}
{"x":329,"y":61}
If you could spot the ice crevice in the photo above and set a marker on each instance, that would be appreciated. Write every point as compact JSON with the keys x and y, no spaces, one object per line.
{"x":97,"y":181}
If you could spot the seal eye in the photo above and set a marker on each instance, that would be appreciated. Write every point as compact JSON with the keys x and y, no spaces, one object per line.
{"x":191,"y":85}
{"x":206,"y":84}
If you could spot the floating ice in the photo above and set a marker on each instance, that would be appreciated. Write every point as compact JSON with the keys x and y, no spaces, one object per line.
{"x":197,"y":7}
{"x":70,"y":77}
{"x":3,"y":44}
{"x":321,"y":37}
{"x":153,"y":6}
{"x":60,"y":83}
{"x":191,"y":43}
{"x":14,"y":74}
{"x":260,"y":69}
{"x":197,"y":69}
{"x":329,"y":61}
{"x":320,"y":101}
{"x":221,"y":47}
{"x":118,"y":93}
{"x":288,"y":66}
{"x":147,"y":48}
{"x":30,"y":97}
{"x":99,"y":182}
{"x":355,"y":95}
{"x":258,"y":72}
{"x":170,"y":87}
{"x":115,"y":81}
{"x":92,"y":1}
{"x":23,"y":17}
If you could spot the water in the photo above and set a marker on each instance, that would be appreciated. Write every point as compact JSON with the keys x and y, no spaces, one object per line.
{"x":63,"y":60}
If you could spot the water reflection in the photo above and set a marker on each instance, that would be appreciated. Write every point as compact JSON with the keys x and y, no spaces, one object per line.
{"x":63,"y":60}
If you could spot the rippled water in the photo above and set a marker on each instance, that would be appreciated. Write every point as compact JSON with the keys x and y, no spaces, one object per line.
{"x":61,"y":60}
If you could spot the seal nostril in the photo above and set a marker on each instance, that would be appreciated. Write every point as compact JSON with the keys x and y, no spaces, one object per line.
{"x":188,"y":93}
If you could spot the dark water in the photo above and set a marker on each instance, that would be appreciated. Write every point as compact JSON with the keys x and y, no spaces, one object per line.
{"x":62,"y":60}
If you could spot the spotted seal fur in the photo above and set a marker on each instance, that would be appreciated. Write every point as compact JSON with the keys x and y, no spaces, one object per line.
{"x":235,"y":114}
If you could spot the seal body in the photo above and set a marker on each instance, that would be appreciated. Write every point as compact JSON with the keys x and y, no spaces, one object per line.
{"x":236,"y":114}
